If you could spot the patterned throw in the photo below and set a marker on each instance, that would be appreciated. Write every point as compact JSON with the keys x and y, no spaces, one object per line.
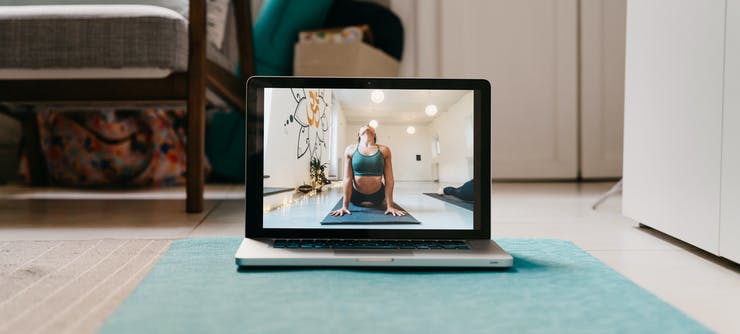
{"x":113,"y":147}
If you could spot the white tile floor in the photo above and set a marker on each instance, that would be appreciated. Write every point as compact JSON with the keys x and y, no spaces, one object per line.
{"x":704,"y":287}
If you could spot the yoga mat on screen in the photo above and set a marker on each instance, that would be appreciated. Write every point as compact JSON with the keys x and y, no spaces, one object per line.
{"x":554,"y":287}
{"x":452,"y":200}
{"x":367,"y":215}
{"x":274,"y":190}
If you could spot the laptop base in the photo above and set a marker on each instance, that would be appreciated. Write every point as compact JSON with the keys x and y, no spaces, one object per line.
{"x":482,"y":254}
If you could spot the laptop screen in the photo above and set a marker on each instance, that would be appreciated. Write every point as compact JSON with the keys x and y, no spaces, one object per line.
{"x":368,"y":159}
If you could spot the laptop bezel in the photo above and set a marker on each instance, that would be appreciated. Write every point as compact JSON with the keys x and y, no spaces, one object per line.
{"x":255,"y":170}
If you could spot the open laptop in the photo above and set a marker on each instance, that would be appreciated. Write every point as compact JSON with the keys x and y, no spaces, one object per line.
{"x":326,"y":156}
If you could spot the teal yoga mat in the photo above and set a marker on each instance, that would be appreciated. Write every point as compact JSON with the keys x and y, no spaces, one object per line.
{"x":367,"y":215}
{"x":554,"y":287}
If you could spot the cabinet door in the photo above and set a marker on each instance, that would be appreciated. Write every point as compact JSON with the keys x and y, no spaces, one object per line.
{"x":528,"y":51}
{"x":673,"y":117}
{"x":602,"y":87}
{"x":729,"y":243}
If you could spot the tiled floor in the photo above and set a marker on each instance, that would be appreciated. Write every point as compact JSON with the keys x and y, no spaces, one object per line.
{"x":702,"y":286}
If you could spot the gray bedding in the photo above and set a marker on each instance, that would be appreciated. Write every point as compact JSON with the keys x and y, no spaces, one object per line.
{"x":70,"y":37}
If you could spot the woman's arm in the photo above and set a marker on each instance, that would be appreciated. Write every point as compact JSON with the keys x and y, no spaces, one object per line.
{"x":389,"y":183}
{"x":349,"y":178}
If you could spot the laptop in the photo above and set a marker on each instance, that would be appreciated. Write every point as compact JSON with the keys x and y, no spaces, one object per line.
{"x":368,"y":172}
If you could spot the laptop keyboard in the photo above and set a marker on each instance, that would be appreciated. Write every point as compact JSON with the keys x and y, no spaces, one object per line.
{"x":370,"y":244}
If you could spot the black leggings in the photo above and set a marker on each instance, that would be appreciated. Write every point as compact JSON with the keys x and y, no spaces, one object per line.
{"x":376,"y":198}
{"x":465,"y":193}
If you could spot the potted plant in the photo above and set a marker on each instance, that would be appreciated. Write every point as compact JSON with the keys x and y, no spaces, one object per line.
{"x":317,"y":173}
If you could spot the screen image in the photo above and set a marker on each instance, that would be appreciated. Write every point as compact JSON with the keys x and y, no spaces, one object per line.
{"x":368,"y":159}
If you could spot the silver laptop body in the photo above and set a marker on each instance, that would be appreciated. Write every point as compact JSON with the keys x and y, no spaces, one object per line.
{"x":292,"y":121}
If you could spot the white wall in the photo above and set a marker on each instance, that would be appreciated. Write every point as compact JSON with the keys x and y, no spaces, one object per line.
{"x":456,"y":141}
{"x":421,"y":28}
{"x":404,"y":148}
{"x":281,"y":162}
{"x":338,"y":143}
{"x":602,"y":87}
{"x":529,"y":51}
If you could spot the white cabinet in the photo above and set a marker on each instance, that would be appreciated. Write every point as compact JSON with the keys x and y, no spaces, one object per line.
{"x":675,"y":173}
{"x":729,"y":242}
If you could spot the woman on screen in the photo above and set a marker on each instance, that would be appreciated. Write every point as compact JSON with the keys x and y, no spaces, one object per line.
{"x":368,"y":177}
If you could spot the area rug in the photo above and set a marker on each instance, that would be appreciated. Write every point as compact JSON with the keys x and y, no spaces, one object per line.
{"x":453,"y":200}
{"x":554,"y":287}
{"x":69,"y":286}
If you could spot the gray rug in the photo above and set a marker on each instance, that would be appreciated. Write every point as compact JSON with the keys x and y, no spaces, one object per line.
{"x":453,"y":200}
{"x":368,"y":215}
{"x":274,"y":190}
{"x":69,"y":286}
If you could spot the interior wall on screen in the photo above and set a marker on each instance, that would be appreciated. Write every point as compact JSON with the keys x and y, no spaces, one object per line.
{"x":297,"y":127}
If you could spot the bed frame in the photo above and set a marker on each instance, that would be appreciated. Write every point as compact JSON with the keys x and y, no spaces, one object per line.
{"x":188,"y":87}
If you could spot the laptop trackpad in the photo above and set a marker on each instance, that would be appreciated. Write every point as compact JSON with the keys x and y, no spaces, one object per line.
{"x":373,"y":252}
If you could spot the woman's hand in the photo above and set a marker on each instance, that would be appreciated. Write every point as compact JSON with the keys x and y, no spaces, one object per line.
{"x":340,"y":212}
{"x":393,"y":211}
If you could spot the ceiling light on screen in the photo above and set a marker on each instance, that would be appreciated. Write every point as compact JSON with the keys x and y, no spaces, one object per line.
{"x":373,"y":124}
{"x":411,"y":130}
{"x":377,"y":96}
{"x":431,"y":110}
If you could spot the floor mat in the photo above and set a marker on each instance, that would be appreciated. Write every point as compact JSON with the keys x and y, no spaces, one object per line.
{"x":69,"y":286}
{"x":452,"y":200}
{"x":367,"y":215}
{"x":553,"y":287}
{"x":274,"y":190}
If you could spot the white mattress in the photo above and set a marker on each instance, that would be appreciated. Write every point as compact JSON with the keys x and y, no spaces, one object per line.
{"x":83,"y":73}
{"x":87,"y":11}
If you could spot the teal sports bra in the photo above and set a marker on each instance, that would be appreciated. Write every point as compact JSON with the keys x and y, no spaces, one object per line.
{"x":368,"y":165}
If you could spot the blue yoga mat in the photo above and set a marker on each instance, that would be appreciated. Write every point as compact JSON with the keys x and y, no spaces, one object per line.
{"x":554,"y":287}
{"x":362,"y":215}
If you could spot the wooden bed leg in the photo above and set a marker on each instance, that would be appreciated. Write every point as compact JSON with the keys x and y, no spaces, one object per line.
{"x":32,"y":148}
{"x":196,"y":106}
{"x":243,"y":14}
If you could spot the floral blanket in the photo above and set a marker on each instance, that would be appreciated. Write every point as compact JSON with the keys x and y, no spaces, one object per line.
{"x":139,"y":147}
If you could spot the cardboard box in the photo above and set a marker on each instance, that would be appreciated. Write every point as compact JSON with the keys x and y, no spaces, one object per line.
{"x":343,"y":59}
